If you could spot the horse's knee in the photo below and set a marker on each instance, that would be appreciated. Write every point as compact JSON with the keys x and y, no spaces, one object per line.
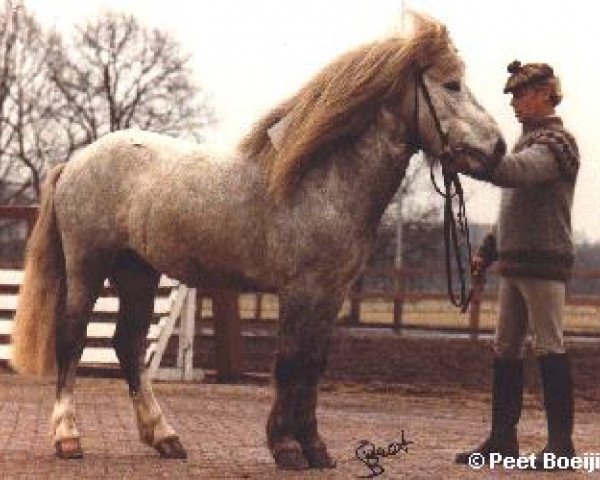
{"x":316,"y":365}
{"x":287,"y":368}
{"x":293,"y":365}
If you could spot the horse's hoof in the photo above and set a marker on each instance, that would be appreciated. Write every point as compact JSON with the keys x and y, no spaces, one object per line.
{"x":318,"y":457}
{"x":68,"y":449}
{"x":170,"y":447}
{"x":290,"y":457}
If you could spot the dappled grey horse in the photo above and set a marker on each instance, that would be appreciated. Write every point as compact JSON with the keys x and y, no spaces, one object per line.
{"x":295,"y":208}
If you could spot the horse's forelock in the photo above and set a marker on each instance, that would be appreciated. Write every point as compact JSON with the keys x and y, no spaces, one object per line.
{"x":337,"y":102}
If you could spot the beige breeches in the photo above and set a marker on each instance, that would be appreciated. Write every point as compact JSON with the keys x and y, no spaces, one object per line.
{"x":530,"y":304}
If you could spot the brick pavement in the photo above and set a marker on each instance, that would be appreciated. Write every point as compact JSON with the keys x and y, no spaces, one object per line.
{"x":222,"y":426}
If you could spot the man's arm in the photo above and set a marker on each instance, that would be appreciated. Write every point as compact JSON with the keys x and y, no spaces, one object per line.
{"x":533,"y":165}
{"x":536,"y":164}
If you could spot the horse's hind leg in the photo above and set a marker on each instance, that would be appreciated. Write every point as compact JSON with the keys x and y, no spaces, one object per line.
{"x":84,"y":281}
{"x":136,"y":284}
{"x":306,"y":328}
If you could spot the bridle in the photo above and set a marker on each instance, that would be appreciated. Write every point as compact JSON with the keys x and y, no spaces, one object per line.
{"x":456,"y":228}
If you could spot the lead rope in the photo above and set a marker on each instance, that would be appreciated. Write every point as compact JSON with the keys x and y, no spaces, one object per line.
{"x":456,"y":237}
{"x":456,"y":228}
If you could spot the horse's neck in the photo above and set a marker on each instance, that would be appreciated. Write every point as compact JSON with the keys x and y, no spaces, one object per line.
{"x":371,"y":172}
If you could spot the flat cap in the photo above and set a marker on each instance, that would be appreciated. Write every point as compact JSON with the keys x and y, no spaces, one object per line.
{"x":528,"y":74}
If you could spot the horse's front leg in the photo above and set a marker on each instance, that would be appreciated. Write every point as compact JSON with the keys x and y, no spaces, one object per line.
{"x":306,"y":328}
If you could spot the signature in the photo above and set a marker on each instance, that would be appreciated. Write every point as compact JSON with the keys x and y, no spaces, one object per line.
{"x":370,"y":455}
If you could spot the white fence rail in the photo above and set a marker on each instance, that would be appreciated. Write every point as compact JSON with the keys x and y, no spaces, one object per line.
{"x":176,"y":312}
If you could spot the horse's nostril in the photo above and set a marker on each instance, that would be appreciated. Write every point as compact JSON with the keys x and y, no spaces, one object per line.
{"x":500,"y":148}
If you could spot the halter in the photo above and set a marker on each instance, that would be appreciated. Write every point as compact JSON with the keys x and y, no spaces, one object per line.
{"x":456,"y":228}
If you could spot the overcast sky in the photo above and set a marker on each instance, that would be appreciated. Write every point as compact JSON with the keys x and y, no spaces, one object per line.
{"x":249,"y":54}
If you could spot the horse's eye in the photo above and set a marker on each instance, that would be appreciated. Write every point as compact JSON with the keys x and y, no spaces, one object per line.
{"x":453,"y":85}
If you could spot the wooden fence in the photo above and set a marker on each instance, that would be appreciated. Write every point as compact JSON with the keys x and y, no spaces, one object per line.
{"x":399,"y":294}
{"x":585,"y":307}
{"x":27,"y":214}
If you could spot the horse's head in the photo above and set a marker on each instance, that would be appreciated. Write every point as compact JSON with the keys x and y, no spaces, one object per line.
{"x":448,"y":117}
{"x":438,"y":108}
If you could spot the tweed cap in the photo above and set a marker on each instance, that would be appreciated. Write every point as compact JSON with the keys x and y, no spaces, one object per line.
{"x":528,"y":74}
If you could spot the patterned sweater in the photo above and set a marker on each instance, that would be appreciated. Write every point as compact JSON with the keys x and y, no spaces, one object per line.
{"x":533,"y":237}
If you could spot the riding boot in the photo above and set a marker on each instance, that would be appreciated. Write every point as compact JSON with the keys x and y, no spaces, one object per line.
{"x":557,"y":384}
{"x":507,"y":401}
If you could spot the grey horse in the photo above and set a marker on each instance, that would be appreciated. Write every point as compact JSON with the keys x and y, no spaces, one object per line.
{"x":294,"y":208}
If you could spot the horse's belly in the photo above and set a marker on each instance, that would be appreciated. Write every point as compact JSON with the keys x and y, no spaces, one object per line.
{"x":195,"y":273}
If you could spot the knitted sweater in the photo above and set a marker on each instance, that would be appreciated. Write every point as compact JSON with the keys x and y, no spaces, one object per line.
{"x":533,"y":233}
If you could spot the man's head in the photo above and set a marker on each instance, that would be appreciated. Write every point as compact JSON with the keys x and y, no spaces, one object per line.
{"x":535,"y":89}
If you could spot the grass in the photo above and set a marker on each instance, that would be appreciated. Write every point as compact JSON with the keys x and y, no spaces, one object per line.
{"x":423,"y":313}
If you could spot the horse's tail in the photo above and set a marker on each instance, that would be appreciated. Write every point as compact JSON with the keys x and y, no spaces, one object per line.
{"x":41,"y":295}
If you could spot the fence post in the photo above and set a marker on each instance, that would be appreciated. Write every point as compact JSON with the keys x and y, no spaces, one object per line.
{"x":185,"y":355}
{"x":27,"y":213}
{"x":228,"y":335}
{"x":475,"y":310}
{"x":398,"y":299}
{"x":354,"y":314}
{"x":258,"y":297}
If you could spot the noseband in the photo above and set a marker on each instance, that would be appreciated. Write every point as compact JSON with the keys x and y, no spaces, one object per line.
{"x":456,"y":228}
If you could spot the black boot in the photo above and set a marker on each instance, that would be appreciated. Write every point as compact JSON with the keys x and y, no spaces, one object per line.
{"x":507,"y":401}
{"x":557,"y":383}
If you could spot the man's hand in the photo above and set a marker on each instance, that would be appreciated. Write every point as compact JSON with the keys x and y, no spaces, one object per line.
{"x":478,"y":266}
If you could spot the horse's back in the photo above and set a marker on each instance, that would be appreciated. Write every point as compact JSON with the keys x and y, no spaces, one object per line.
{"x":184,"y":208}
{"x":105,"y":185}
{"x":127,"y":155}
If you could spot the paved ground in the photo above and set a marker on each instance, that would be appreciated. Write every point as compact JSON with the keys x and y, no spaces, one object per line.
{"x":222,"y":427}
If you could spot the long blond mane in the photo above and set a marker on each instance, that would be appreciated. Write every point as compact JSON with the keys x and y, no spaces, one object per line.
{"x":339,"y":102}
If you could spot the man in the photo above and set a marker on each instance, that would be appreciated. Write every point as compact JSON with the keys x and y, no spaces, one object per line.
{"x":533,"y":246}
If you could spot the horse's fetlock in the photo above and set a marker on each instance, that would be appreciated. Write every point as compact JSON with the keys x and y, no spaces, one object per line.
{"x":146,"y":434}
{"x":64,"y":425}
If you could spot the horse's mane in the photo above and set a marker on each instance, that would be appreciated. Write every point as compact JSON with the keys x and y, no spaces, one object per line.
{"x":340,"y":101}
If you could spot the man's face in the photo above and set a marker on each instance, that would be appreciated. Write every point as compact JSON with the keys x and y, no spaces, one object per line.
{"x":531,"y":102}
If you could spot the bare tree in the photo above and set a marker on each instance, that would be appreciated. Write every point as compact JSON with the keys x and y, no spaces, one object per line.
{"x":56,"y":98}
{"x":118,"y":74}
{"x":26,"y":95}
